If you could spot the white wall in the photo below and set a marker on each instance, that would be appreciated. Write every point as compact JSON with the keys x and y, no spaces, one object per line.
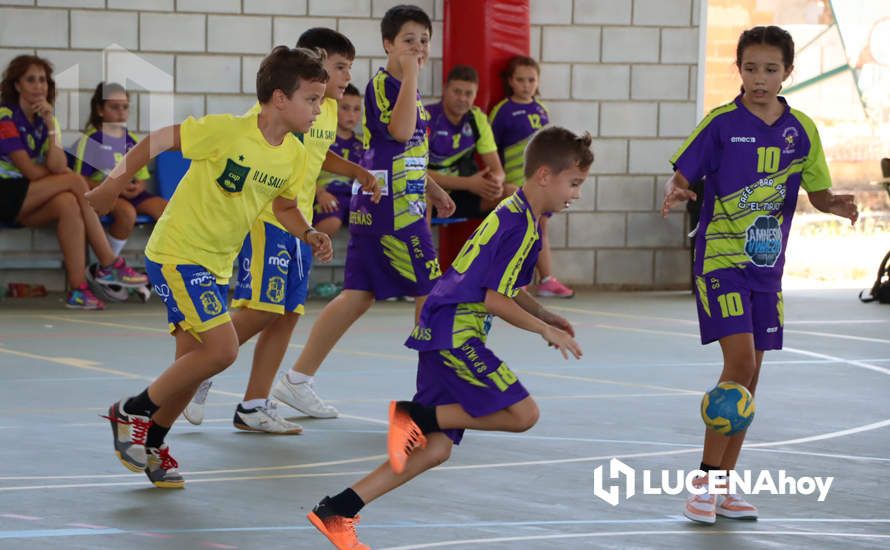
{"x":624,"y":70}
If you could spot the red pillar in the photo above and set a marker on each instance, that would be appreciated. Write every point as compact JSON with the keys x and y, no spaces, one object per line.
{"x":484,"y":34}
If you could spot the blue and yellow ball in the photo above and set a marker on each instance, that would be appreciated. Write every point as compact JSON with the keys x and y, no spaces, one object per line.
{"x":728,"y":408}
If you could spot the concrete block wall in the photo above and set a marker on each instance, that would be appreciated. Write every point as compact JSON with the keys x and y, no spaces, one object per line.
{"x":625,"y":70}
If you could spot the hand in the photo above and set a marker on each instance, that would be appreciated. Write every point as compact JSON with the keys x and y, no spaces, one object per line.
{"x":321,"y":245}
{"x":483,"y":184}
{"x":673,"y":195}
{"x":327,"y":202}
{"x":369,"y":184}
{"x":102,"y":197}
{"x":558,"y":321}
{"x":562,"y":341}
{"x":409,"y":61}
{"x":843,"y":206}
{"x":133,"y":189}
{"x":45,"y":109}
{"x":441,"y":200}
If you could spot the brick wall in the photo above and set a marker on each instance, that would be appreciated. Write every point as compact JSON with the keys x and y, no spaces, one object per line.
{"x":625,"y":70}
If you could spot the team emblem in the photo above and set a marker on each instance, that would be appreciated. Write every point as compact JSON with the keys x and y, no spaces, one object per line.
{"x":233,"y":177}
{"x":210,"y":303}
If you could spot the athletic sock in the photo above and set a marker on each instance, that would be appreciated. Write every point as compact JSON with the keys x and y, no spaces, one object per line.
{"x":116,"y":244}
{"x":141,"y":405}
{"x":347,"y":503}
{"x":295,"y":377}
{"x":156,"y":435}
{"x":707,"y":467}
{"x":423,"y":416}
{"x":252,"y":404}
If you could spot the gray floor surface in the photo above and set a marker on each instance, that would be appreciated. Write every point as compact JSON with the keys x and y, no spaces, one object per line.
{"x":822,"y":410}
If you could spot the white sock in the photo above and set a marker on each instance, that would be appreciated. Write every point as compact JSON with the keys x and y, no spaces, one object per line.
{"x":547,"y":278}
{"x":116,"y":245}
{"x":253,"y":403}
{"x":295,"y":377}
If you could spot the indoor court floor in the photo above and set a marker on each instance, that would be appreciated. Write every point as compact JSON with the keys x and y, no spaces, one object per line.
{"x":822,"y":410}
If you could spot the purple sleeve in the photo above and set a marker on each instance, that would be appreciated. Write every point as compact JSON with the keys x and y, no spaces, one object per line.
{"x":10,"y":140}
{"x":508,"y":255}
{"x":379,"y":104}
{"x":698,"y":156}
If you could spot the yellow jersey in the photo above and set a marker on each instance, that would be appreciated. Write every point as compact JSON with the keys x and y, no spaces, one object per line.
{"x":234,"y":175}
{"x":317,"y":142}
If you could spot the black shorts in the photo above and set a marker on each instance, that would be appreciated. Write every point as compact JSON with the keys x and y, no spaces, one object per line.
{"x":467,"y":205}
{"x":12,"y":195}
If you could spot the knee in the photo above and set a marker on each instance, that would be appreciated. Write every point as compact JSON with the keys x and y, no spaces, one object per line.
{"x":526,"y":417}
{"x":439,"y":455}
{"x":221,"y":357}
{"x":125,"y":213}
{"x":65,"y":204}
{"x":741,"y":372}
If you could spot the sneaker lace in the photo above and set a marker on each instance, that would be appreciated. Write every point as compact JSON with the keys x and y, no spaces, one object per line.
{"x":415,"y":436}
{"x":203,"y":389}
{"x":139,"y":430}
{"x":349,"y":525}
{"x":167,"y":461}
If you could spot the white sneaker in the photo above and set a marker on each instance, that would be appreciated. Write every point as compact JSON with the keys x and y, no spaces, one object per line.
{"x":735,"y":507}
{"x":701,"y":508}
{"x":266,"y":419}
{"x":303,"y":398}
{"x":194,"y":411}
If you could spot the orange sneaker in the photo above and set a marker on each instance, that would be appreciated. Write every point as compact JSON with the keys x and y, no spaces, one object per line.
{"x":340,"y":530}
{"x":403,"y":437}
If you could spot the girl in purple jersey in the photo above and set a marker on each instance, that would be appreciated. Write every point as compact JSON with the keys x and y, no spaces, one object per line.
{"x":104,"y":142}
{"x":754,"y":153}
{"x":514,"y":120}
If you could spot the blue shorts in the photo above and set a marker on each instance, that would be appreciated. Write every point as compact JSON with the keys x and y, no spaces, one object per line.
{"x":195,"y":299}
{"x":403,"y":264}
{"x":726,"y":308}
{"x":273,"y":271}
{"x":471,"y":375}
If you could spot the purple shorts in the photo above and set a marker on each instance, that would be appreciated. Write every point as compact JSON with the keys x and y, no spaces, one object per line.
{"x":403,"y":264}
{"x":141,"y":197}
{"x":726,"y":307}
{"x":343,"y":194}
{"x":471,"y":375}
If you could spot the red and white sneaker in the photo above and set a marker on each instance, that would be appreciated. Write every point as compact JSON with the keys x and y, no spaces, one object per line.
{"x":735,"y":507}
{"x":551,"y":287}
{"x":701,"y":508}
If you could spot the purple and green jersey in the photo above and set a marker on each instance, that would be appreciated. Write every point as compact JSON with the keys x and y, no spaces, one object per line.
{"x":450,"y":143}
{"x":513,"y":125}
{"x":400,"y":168}
{"x":18,"y":133}
{"x":752,"y":172}
{"x":350,"y":149}
{"x":96,"y":153}
{"x":501,"y":256}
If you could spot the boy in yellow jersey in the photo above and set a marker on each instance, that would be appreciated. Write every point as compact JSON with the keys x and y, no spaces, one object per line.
{"x":273,"y":267}
{"x":239,"y":166}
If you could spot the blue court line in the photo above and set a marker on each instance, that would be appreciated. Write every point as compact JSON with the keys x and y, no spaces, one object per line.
{"x":49,"y":533}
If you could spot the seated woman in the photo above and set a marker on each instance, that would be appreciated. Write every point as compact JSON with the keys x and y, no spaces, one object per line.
{"x":36,"y":186}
